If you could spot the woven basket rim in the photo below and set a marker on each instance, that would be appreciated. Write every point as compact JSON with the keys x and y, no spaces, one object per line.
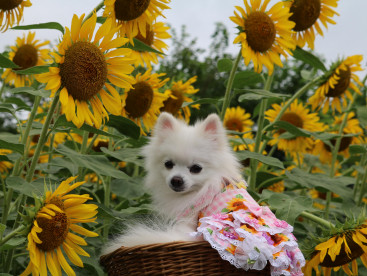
{"x":123,"y":260}
{"x":153,"y":246}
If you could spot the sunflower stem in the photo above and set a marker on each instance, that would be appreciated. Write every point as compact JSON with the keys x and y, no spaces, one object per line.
{"x":82,"y":151}
{"x":95,"y":10}
{"x":43,"y":138}
{"x":27,"y":130}
{"x":317,"y":219}
{"x":1,"y":91}
{"x":227,"y":95}
{"x":9,"y":258}
{"x":260,"y":126}
{"x":363,"y":185}
{"x":16,"y":169}
{"x":358,"y":181}
{"x":336,"y":150}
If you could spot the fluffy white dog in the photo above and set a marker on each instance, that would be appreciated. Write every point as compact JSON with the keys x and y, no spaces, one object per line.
{"x":184,"y":164}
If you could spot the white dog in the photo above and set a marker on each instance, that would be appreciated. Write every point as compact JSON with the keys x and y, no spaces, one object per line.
{"x":184,"y":163}
{"x":193,"y":176}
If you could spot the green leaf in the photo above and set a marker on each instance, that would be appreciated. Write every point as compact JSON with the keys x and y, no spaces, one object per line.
{"x":91,"y":262}
{"x":62,"y":122}
{"x":129,"y":155}
{"x":201,"y":101}
{"x":96,"y":163}
{"x":289,"y":207}
{"x":12,"y":243}
{"x":34,"y":70}
{"x":2,"y":228}
{"x":128,"y":189}
{"x":4,"y":158}
{"x":124,"y":126}
{"x":224,"y":65}
{"x":59,"y":163}
{"x":141,"y":47}
{"x":257,"y":94}
{"x":48,"y":25}
{"x":357,"y":149}
{"x":7,"y":63}
{"x":7,"y":107}
{"x":270,"y":178}
{"x":23,"y":187}
{"x":337,"y":185}
{"x":246,"y":78}
{"x":271,"y":161}
{"x":7,"y":142}
{"x":362,"y":115}
{"x":17,"y":101}
{"x":31,"y":91}
{"x":291,"y":129}
{"x":308,"y":58}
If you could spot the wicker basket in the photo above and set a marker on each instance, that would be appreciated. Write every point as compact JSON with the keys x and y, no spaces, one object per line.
{"x":175,"y":258}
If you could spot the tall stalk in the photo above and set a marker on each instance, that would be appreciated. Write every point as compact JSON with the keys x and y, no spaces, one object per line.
{"x":227,"y":95}
{"x":260,"y":126}
{"x":43,"y":137}
{"x":336,"y":150}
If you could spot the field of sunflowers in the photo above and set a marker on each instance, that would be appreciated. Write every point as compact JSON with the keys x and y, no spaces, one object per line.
{"x":74,"y":116}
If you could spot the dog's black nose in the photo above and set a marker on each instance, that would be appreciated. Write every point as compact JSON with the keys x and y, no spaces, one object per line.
{"x":177,"y":183}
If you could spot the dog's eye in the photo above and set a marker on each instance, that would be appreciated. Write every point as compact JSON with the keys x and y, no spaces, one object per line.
{"x":169,"y":164}
{"x":195,"y":168}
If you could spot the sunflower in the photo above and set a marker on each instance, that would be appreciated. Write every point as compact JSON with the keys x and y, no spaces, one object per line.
{"x":155,"y":34}
{"x":334,"y":90}
{"x":143,"y":101}
{"x":264,"y":34}
{"x":300,"y":117}
{"x":352,"y":127}
{"x":50,"y":232}
{"x":5,"y":166}
{"x":134,"y":15}
{"x":179,"y":94}
{"x":26,"y":53}
{"x":308,"y":14}
{"x":340,"y":250}
{"x":236,"y":119}
{"x":10,"y":11}
{"x":83,"y":68}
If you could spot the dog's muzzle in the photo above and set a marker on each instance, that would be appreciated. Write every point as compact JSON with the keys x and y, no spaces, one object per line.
{"x":177,"y":184}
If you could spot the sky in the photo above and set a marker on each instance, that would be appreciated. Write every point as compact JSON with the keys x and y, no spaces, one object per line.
{"x":348,"y":37}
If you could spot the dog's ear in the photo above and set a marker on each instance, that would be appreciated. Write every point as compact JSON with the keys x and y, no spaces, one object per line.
{"x":165,"y":122}
{"x":212,"y":127}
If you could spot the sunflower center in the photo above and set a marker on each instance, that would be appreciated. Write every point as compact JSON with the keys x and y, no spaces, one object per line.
{"x":54,"y":230}
{"x":260,"y":31}
{"x":25,"y":57}
{"x":343,"y":257}
{"x":173,"y":105}
{"x":304,"y":13}
{"x":292,"y":118}
{"x":234,"y":124}
{"x":127,"y":10}
{"x":7,"y":5}
{"x":139,"y":99}
{"x":341,"y":85}
{"x":344,"y":144}
{"x":149,"y":39}
{"x":84,"y":70}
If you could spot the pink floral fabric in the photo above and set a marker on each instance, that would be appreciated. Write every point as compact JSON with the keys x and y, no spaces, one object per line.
{"x":249,"y":235}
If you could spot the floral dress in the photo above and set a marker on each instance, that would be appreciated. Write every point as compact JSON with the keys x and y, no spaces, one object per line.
{"x":249,"y":235}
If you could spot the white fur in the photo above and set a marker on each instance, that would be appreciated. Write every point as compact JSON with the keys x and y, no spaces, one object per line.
{"x":204,"y":144}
